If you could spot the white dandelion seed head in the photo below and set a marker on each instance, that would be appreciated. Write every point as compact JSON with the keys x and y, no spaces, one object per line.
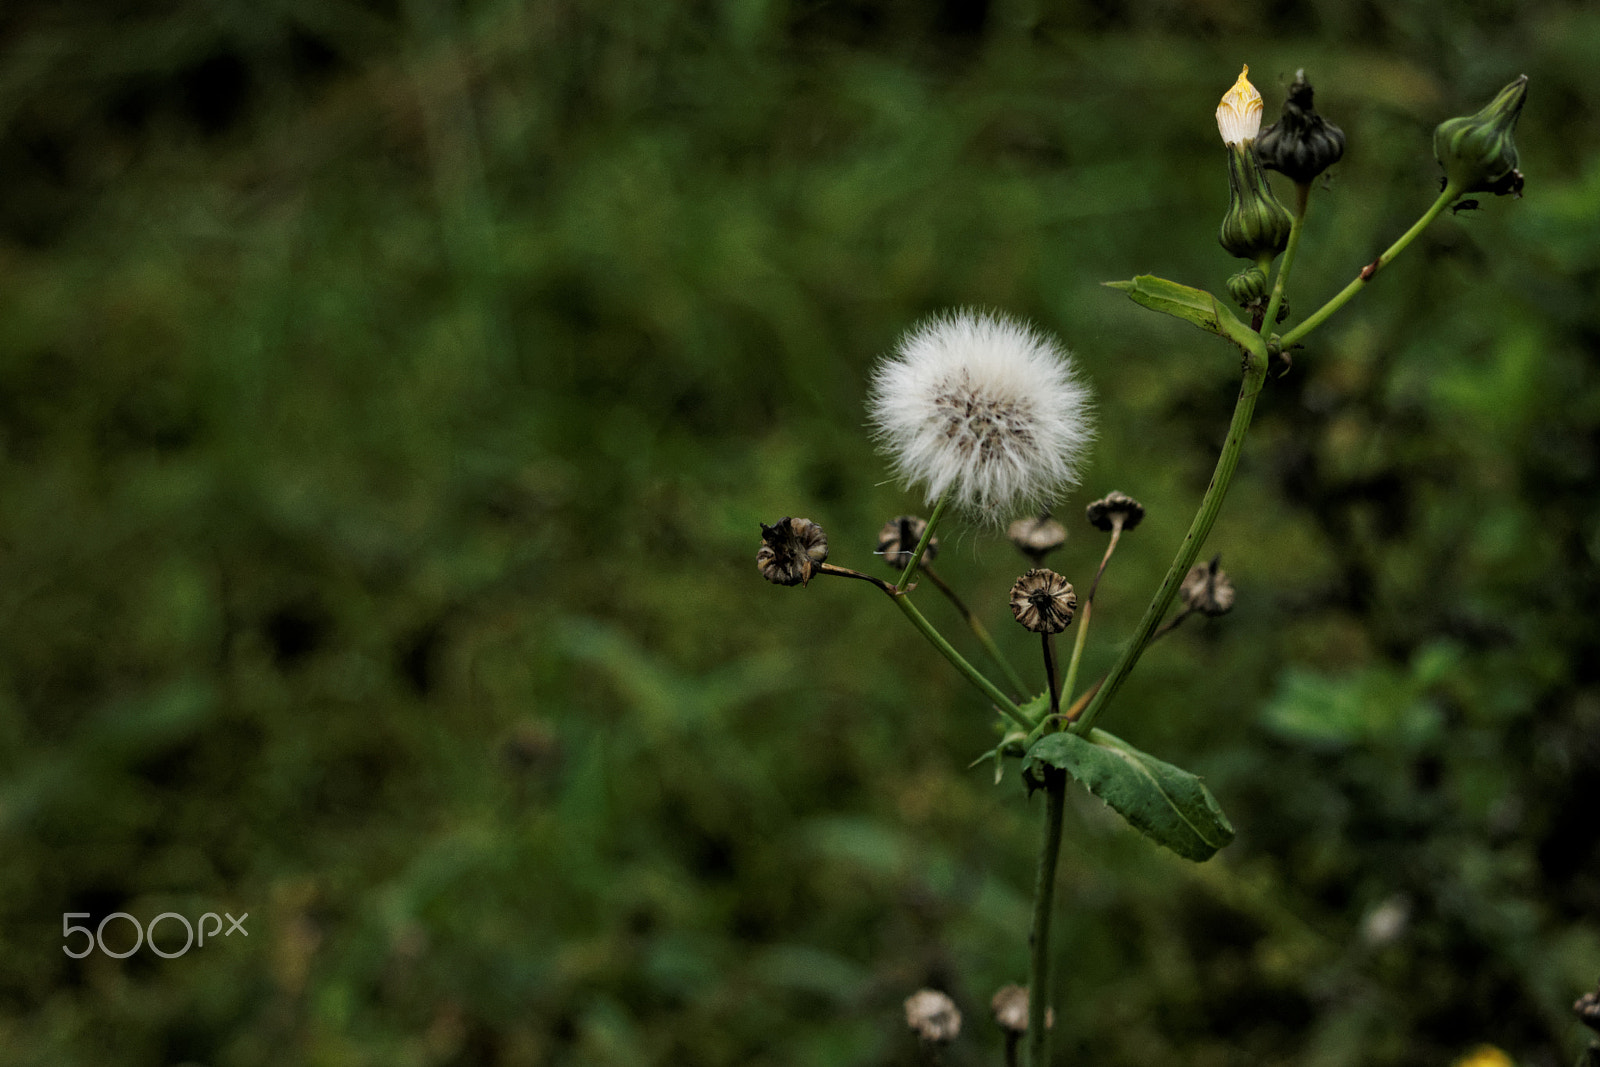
{"x":985,"y":407}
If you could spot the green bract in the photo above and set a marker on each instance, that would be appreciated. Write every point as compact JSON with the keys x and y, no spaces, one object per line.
{"x":1477,"y":151}
{"x":1256,"y":225}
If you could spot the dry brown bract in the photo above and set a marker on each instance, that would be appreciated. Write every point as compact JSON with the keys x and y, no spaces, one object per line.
{"x":791,"y":551}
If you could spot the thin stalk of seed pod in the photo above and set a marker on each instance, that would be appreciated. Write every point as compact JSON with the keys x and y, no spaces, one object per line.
{"x":968,"y":671}
{"x":1050,"y":674}
{"x":922,"y":545}
{"x":1171,"y":624}
{"x":1302,"y":194}
{"x":846,"y":572}
{"x":978,"y":630}
{"x":1044,"y":898}
{"x":1254,"y":377}
{"x":1371,"y":269}
{"x":1088,"y":607}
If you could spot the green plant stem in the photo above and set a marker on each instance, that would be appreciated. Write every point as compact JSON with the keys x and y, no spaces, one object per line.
{"x":978,"y":631}
{"x":1044,"y":897}
{"x":1302,"y":191}
{"x":922,"y":545}
{"x":1370,"y":270}
{"x":968,"y":671}
{"x":1077,"y":650}
{"x":1255,"y":374}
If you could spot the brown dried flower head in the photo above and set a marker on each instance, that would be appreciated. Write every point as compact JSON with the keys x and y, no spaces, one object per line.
{"x":1010,"y":1008}
{"x":1043,"y":601}
{"x":1104,"y":513}
{"x":791,"y":551}
{"x":1037,"y":538}
{"x":933,"y":1016}
{"x":1587,"y":1009}
{"x":898,"y":539}
{"x":1207,"y":589}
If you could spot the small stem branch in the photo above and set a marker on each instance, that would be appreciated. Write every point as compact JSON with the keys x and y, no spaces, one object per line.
{"x":1116,"y":535}
{"x":1371,"y":269}
{"x":1302,"y":192}
{"x":1050,"y":673}
{"x":1044,"y":899}
{"x":1077,"y":648}
{"x":846,"y":572}
{"x":968,"y":671}
{"x":1199,"y":529}
{"x":979,"y":631}
{"x":1171,"y":624}
{"x":922,"y":545}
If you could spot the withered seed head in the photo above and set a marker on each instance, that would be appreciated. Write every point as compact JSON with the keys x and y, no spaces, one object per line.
{"x":933,"y":1016}
{"x":1207,"y":589}
{"x":791,"y":550}
{"x":1010,"y":1008}
{"x":1037,"y":538}
{"x":1103,"y":513}
{"x":1587,"y":1009}
{"x":1043,"y":601}
{"x":898,"y":539}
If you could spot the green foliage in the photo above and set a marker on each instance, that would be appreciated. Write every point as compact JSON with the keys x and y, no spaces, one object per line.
{"x":1167,"y":804}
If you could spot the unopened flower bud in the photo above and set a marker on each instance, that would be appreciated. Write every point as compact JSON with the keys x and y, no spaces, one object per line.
{"x":1477,"y":152}
{"x":1301,"y":144}
{"x":1037,"y":538}
{"x":1104,"y":513}
{"x":899,"y":538}
{"x":1010,"y":1009}
{"x":1256,"y":225}
{"x":1239,"y":113}
{"x":791,"y":551}
{"x":1043,"y":601}
{"x":933,"y":1016}
{"x":1249,"y":286}
{"x":1207,"y":589}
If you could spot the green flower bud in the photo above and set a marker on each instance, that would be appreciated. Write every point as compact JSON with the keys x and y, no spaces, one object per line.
{"x":1248,"y":286}
{"x":1301,"y":144}
{"x":1477,"y":152}
{"x":1256,"y":225}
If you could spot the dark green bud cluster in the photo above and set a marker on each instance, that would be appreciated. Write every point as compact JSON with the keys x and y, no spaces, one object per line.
{"x":1301,"y":144}
{"x":1256,"y":225}
{"x":1249,"y":286}
{"x":1477,"y":151}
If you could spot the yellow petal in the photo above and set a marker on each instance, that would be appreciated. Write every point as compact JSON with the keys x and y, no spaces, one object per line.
{"x":1239,"y":114}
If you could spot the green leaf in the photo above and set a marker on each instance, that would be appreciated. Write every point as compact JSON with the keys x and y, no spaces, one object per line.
{"x":1191,"y":305}
{"x":1165,"y":803}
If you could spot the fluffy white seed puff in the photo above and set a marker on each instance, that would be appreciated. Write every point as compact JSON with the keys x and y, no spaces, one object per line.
{"x":985,"y":407}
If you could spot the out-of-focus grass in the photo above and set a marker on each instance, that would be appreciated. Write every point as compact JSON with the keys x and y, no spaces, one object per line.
{"x":389,"y":400}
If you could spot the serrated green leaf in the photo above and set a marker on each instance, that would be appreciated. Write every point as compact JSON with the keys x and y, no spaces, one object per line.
{"x":1191,"y":305}
{"x":1165,"y":803}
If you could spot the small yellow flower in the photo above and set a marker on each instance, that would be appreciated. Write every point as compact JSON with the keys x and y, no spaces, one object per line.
{"x":1239,"y":114}
{"x":1485,"y":1056}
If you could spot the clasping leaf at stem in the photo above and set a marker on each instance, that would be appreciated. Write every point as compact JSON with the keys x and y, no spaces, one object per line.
{"x":1192,"y":305}
{"x":1167,"y":804}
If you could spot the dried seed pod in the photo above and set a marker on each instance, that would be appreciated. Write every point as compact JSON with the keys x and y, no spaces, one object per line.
{"x":1043,"y":601}
{"x":898,"y":539}
{"x":1207,"y":589}
{"x":1010,"y":1009}
{"x":791,"y":550}
{"x":1103,"y":513}
{"x":1037,"y":538}
{"x":1301,"y":144}
{"x":933,"y":1016}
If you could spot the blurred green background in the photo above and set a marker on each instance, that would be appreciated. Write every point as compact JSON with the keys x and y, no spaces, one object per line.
{"x":389,"y":395}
